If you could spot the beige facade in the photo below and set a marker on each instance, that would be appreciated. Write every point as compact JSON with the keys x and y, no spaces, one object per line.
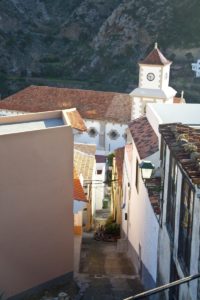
{"x":36,"y":206}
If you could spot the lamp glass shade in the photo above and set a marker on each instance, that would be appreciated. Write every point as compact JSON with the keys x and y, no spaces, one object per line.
{"x":146,"y":173}
{"x":146,"y":168}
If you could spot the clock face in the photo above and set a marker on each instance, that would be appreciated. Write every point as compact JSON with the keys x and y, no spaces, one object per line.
{"x":150,"y":76}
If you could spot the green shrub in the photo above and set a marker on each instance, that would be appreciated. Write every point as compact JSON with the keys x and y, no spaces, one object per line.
{"x":113,"y":229}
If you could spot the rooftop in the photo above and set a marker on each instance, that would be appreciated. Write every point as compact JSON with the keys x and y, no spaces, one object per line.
{"x":153,"y":186}
{"x":84,"y":164}
{"x":79,"y":194}
{"x":30,"y":126}
{"x":37,"y":121}
{"x":184,"y":144}
{"x":144,"y":137}
{"x":110,"y":106}
{"x":86,"y":148}
{"x":155,"y":57}
{"x":170,"y":113}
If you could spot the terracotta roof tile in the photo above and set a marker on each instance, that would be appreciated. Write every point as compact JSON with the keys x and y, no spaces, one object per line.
{"x":75,"y":120}
{"x":153,"y":186}
{"x":110,"y":106}
{"x":86,"y":148}
{"x":144,"y":137}
{"x":119,"y":158}
{"x":79,"y":194}
{"x":184,"y":144}
{"x":84,"y":164}
{"x":155,"y":57}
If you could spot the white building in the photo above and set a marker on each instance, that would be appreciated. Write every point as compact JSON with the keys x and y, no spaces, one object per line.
{"x":179,"y":242}
{"x":153,"y":87}
{"x":141,"y":208}
{"x":106,"y":114}
{"x":196,"y":68}
{"x":99,"y":183}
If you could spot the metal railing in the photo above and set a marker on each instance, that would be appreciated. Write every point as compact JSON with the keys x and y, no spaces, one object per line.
{"x":163,"y":287}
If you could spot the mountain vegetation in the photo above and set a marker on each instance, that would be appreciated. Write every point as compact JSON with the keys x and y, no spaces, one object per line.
{"x":96,"y":44}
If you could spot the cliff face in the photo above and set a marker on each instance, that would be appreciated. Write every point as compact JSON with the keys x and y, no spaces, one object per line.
{"x":95,"y":43}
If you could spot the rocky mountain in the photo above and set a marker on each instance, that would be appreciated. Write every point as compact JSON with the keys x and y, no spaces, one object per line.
{"x":96,"y":44}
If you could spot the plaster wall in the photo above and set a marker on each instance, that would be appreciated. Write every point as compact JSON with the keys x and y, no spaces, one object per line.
{"x":102,"y":139}
{"x":99,"y":186}
{"x":126,"y":187}
{"x":36,"y":215}
{"x":143,"y":227}
{"x":144,"y":82}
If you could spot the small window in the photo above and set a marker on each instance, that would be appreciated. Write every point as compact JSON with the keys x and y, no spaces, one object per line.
{"x":99,"y":172}
{"x":113,"y":134}
{"x":92,"y":132}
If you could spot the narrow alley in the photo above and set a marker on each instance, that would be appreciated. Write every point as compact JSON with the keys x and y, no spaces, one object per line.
{"x":105,"y":273}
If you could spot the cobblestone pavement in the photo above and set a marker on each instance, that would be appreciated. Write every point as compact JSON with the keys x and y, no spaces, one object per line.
{"x":104,"y":273}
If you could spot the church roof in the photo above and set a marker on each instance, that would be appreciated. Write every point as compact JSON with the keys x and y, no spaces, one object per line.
{"x":109,"y":106}
{"x":155,"y":57}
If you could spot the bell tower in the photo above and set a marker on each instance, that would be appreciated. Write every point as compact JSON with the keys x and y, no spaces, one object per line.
{"x":153,"y":84}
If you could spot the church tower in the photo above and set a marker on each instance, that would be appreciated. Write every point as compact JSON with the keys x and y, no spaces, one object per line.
{"x":153,"y":86}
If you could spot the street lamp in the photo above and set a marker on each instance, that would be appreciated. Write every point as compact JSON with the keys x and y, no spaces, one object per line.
{"x":146,"y":169}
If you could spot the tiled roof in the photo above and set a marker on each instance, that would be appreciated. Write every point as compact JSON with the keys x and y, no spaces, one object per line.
{"x":119,"y":158}
{"x":144,"y":137}
{"x":86,"y":148}
{"x":184,"y":143}
{"x":110,"y":106}
{"x":155,"y":57}
{"x":78,"y":189}
{"x":75,"y":120}
{"x":84,"y":164}
{"x":153,"y":186}
{"x":178,"y":100}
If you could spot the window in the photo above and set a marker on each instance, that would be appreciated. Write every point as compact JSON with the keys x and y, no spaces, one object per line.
{"x":171,"y":197}
{"x":99,"y":172}
{"x":185,"y":225}
{"x":113,"y":134}
{"x":137,"y":175}
{"x":162,"y":152}
{"x":92,"y":132}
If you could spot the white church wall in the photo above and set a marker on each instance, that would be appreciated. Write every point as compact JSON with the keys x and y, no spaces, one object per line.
{"x":85,"y":137}
{"x":102,"y":136}
{"x":112,"y":142}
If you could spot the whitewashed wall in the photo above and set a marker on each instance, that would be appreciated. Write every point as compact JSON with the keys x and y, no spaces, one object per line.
{"x":127,"y":173}
{"x":143,"y":225}
{"x":102,"y":139}
{"x":99,"y":186}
